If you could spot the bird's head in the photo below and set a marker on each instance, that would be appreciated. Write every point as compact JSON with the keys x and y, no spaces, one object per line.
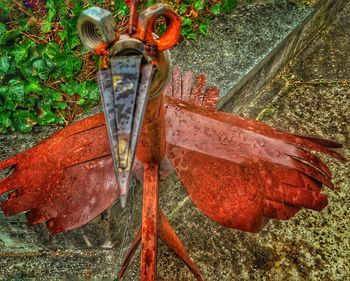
{"x":134,"y":68}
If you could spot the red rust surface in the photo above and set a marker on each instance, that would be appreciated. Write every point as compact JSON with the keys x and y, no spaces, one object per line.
{"x":133,"y":21}
{"x":170,"y":238}
{"x":177,"y":83}
{"x":101,"y":50}
{"x":152,"y":144}
{"x":149,"y":223}
{"x":238,"y":172}
{"x":66,"y":180}
{"x":145,"y":28}
{"x":182,"y":87}
{"x":129,"y":255}
{"x":198,"y":90}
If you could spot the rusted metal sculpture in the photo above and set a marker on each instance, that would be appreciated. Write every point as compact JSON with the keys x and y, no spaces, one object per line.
{"x":238,"y":172}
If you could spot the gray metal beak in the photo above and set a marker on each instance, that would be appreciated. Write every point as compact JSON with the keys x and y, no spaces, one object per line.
{"x":124,"y":89}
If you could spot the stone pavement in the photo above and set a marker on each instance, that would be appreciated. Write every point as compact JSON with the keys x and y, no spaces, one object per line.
{"x":312,"y":97}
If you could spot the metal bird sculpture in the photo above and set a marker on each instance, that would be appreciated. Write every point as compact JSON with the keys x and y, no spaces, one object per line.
{"x":238,"y":172}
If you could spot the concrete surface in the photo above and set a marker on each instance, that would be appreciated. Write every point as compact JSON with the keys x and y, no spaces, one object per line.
{"x":312,"y":97}
{"x":252,"y":44}
{"x":239,"y":42}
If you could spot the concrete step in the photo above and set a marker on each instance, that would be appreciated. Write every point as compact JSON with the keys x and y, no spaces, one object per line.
{"x":244,"y":51}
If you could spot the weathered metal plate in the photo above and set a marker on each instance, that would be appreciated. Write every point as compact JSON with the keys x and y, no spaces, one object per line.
{"x":124,"y":91}
{"x":239,"y":172}
{"x":66,"y":181}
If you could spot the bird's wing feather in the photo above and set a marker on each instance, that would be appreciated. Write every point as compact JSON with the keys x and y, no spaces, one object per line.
{"x":234,"y":169}
{"x":66,"y":180}
{"x":240,"y":172}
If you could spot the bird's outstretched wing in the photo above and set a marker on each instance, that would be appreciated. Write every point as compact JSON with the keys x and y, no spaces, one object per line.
{"x":237,"y":171}
{"x":66,"y":180}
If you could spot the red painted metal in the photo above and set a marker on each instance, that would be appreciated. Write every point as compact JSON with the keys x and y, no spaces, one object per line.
{"x":237,"y":171}
{"x":171,"y":35}
{"x":152,"y":145}
{"x":129,"y":255}
{"x":149,"y":222}
{"x":134,"y":15}
{"x":170,"y":238}
{"x":49,"y":180}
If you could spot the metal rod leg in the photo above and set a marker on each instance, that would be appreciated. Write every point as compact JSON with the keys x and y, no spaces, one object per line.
{"x":149,"y":223}
{"x":168,"y":235}
{"x":130,"y":254}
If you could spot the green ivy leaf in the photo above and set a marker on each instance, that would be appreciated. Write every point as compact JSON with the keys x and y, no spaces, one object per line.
{"x":149,"y":3}
{"x":200,"y":4}
{"x":186,"y":21}
{"x":50,"y":5}
{"x":203,"y":28}
{"x":10,"y":35}
{"x":72,"y":88}
{"x":216,"y":9}
{"x":63,"y":35}
{"x":5,"y":120}
{"x":47,"y":116}
{"x":52,"y":50}
{"x":16,"y":90}
{"x":72,"y":42}
{"x":81,"y":101}
{"x":183,"y":8}
{"x":24,"y":120}
{"x":4,"y":64}
{"x":121,"y":8}
{"x":92,"y":90}
{"x":20,"y":53}
{"x":5,"y":9}
{"x":68,"y":65}
{"x":32,"y":86}
{"x":229,"y":5}
{"x":41,"y":69}
{"x":3,"y":30}
{"x":59,"y":105}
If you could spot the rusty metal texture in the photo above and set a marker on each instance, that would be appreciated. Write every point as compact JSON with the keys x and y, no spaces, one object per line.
{"x":40,"y":173}
{"x":171,"y":35}
{"x":237,"y":171}
{"x":167,"y":234}
{"x":170,"y":238}
{"x":150,"y":209}
{"x":152,"y":144}
{"x":66,"y":180}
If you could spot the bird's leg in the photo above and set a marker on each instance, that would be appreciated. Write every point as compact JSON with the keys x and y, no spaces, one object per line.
{"x":130,"y":254}
{"x":165,"y":170}
{"x":170,"y":238}
{"x":149,"y":223}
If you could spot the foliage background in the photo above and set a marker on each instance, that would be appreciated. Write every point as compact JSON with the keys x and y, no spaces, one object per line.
{"x":46,"y":75}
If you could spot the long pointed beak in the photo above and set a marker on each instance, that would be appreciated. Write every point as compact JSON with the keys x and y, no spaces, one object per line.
{"x":124,"y":89}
